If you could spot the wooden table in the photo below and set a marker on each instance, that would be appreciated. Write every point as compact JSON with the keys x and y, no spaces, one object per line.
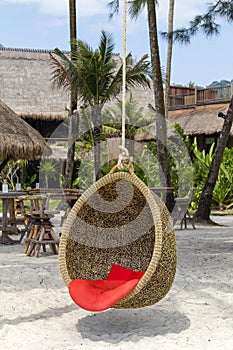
{"x":9,"y":224}
{"x":162,"y":192}
{"x":68,"y":195}
{"x":159,"y":190}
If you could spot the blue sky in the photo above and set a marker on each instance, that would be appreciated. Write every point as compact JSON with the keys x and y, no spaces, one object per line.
{"x":43,"y":24}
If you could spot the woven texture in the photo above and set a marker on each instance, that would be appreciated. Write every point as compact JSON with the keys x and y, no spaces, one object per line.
{"x":18,"y":140}
{"x":118,"y":220}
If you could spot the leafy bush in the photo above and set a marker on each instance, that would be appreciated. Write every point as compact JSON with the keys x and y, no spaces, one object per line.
{"x":223,"y":191}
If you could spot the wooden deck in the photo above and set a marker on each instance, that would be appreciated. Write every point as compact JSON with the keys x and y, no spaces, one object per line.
{"x":196,"y":97}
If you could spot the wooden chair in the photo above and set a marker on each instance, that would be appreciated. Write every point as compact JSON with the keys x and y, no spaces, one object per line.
{"x":181,"y":213}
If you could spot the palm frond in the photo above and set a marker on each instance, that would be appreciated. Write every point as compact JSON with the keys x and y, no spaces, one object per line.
{"x":138,"y":73}
{"x":114,"y":7}
{"x":136,"y":8}
{"x":64,"y":71}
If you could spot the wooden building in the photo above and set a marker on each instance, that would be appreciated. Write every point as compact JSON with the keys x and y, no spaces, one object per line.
{"x":27,"y":88}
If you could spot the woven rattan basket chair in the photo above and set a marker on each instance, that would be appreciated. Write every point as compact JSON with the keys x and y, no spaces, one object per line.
{"x":118,"y":220}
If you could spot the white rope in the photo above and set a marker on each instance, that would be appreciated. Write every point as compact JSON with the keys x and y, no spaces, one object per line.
{"x":124,"y":72}
{"x":124,"y":160}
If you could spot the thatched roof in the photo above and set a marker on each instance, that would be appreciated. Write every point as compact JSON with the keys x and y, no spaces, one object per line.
{"x":18,"y":140}
{"x":199,"y":120}
{"x":26,"y":85}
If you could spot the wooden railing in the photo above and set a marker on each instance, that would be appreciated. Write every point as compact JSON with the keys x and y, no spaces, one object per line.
{"x":201,"y":96}
{"x":214,"y":94}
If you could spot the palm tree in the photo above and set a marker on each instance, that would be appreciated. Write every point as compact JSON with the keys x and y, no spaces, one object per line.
{"x":135,"y":118}
{"x":48,"y":171}
{"x":136,"y":6}
{"x":96,"y":78}
{"x":207,"y":23}
{"x":169,"y":54}
{"x":73,"y":48}
{"x":72,"y":123}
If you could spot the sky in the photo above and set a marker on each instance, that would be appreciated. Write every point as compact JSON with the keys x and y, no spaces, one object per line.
{"x":44,"y":24}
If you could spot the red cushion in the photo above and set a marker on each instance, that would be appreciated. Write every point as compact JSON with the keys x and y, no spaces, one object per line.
{"x":118,"y":272}
{"x":99,"y":295}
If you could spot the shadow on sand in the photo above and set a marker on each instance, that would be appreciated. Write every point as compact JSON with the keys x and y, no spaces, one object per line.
{"x":114,"y":326}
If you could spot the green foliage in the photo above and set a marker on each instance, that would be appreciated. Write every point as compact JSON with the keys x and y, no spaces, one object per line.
{"x":48,"y":171}
{"x":135,"y":116}
{"x":201,"y":165}
{"x":94,"y":73}
{"x":17,"y":172}
{"x":207,"y":22}
{"x":180,"y":148}
{"x":85,"y":172}
{"x":10,"y":172}
{"x":185,"y":138}
{"x":95,"y":77}
{"x":223,"y":191}
{"x":150,"y":167}
{"x":29,"y":181}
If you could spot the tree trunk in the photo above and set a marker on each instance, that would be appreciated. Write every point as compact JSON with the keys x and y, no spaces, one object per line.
{"x":72,"y":136}
{"x":204,"y":206}
{"x":161,"y":127}
{"x":96,"y":119}
{"x":73,"y":48}
{"x":169,"y":54}
{"x":73,"y":101}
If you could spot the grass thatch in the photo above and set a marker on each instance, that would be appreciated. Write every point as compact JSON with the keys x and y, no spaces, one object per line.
{"x":198,"y":120}
{"x":18,"y":140}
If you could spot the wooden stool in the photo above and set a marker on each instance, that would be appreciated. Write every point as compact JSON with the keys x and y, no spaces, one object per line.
{"x":39,"y":229}
{"x":42,"y":234}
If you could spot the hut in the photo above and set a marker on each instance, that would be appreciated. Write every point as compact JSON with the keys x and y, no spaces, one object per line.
{"x":18,"y":140}
{"x":26,"y":86}
{"x":200,"y":121}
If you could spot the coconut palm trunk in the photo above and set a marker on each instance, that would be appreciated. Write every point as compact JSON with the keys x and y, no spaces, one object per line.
{"x":72,"y":124}
{"x":169,"y":54}
{"x":161,"y":126}
{"x":97,"y":122}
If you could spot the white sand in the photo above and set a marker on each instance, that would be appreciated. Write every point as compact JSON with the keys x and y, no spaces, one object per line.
{"x":37,"y":313}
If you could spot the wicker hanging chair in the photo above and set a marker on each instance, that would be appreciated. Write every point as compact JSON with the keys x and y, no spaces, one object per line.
{"x":118,"y":220}
{"x":118,"y":248}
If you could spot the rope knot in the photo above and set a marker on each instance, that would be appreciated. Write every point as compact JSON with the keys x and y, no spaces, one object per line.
{"x":124,"y":161}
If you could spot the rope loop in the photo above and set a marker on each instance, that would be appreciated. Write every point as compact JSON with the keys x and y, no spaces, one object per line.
{"x":124,"y":161}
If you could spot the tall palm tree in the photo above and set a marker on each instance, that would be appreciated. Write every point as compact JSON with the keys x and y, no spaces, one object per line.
{"x":73,"y":47}
{"x":169,"y":54}
{"x":72,"y":123}
{"x":136,"y":6}
{"x":97,"y":79}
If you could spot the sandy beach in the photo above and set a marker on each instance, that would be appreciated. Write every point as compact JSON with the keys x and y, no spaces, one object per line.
{"x":37,"y":312}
